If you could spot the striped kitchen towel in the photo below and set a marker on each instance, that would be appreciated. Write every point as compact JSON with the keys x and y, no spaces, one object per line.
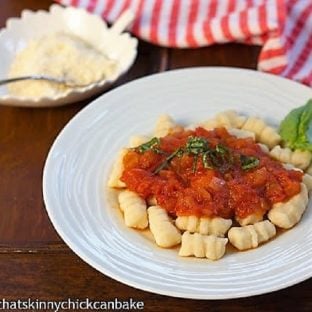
{"x":282,"y":27}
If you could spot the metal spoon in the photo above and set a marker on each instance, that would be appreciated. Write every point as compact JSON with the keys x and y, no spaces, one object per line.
{"x":62,"y":81}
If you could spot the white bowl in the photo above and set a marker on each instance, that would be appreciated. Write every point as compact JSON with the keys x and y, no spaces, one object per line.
{"x":91,"y":28}
{"x":86,"y":214}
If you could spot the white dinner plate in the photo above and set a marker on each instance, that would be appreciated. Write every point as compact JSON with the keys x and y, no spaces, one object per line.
{"x":86,"y":215}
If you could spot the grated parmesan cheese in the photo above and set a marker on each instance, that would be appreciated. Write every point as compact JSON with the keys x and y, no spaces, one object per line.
{"x":57,"y":55}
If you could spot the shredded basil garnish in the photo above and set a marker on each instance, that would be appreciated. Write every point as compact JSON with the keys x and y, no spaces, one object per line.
{"x":215,"y":159}
{"x":248,"y":162}
{"x":151,"y":144}
{"x":197,"y":145}
{"x":206,"y":161}
{"x":222,"y":149}
{"x":195,"y":162}
{"x":219,"y":157}
{"x":163,"y":165}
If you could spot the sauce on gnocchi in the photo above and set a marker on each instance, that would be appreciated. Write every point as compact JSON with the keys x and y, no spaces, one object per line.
{"x":225,"y":180}
{"x":219,"y":176}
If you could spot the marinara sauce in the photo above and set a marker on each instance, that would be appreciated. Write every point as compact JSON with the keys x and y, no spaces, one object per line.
{"x":227,"y":177}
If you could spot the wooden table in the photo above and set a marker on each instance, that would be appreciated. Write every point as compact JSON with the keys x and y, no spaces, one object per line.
{"x":34,"y":261}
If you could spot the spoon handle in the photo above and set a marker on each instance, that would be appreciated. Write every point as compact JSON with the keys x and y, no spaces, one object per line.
{"x":43,"y":78}
{"x":124,"y":20}
{"x":6,"y":81}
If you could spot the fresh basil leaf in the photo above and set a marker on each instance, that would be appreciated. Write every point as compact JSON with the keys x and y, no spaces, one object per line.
{"x":294,"y":129}
{"x":206,"y":161}
{"x":177,"y":153}
{"x":151,"y":144}
{"x":248,"y":162}
{"x":197,"y":145}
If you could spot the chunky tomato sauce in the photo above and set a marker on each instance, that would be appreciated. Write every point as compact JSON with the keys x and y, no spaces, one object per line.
{"x":226,"y":189}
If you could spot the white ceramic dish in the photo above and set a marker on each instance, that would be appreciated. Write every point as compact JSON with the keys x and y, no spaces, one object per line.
{"x":91,"y":28}
{"x":86,"y":215}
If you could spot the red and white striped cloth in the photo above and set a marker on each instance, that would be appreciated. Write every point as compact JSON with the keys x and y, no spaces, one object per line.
{"x":282,"y":27}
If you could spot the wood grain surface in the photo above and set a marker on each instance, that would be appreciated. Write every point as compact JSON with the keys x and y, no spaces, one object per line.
{"x":34,"y":261}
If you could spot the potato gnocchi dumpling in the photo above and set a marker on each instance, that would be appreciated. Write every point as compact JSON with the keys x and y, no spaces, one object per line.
{"x":241,"y":134}
{"x":164,"y":125}
{"x":118,"y":168}
{"x":250,"y":236}
{"x":251,"y":219}
{"x":264,"y":148}
{"x":216,"y":226}
{"x":228,"y":119}
{"x":165,"y":233}
{"x":264,"y":133}
{"x":307,"y":180}
{"x":189,"y":185}
{"x":207,"y":124}
{"x":286,"y":215}
{"x":134,"y":209}
{"x":202,"y":246}
{"x":298,"y":158}
{"x":309,"y":169}
{"x":137,"y":140}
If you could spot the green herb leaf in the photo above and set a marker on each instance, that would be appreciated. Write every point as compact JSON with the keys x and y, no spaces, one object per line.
{"x":195,"y":161}
{"x":222,"y":149}
{"x":224,"y":153}
{"x":177,"y":153}
{"x":248,"y":162}
{"x":215,"y":159}
{"x":197,"y":145}
{"x":219,"y":157}
{"x":151,"y":144}
{"x":206,"y":161}
{"x":294,"y":129}
{"x":162,"y":166}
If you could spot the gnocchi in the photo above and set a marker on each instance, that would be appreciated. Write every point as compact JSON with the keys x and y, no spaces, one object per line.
{"x":250,"y":236}
{"x":228,"y":119}
{"x":188,"y":191}
{"x":202,"y":246}
{"x":165,"y":233}
{"x":134,"y":209}
{"x":164,"y":125}
{"x":216,"y":226}
{"x":118,"y":168}
{"x":298,"y":158}
{"x":286,"y":215}
{"x":251,"y":219}
{"x":264,"y":133}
